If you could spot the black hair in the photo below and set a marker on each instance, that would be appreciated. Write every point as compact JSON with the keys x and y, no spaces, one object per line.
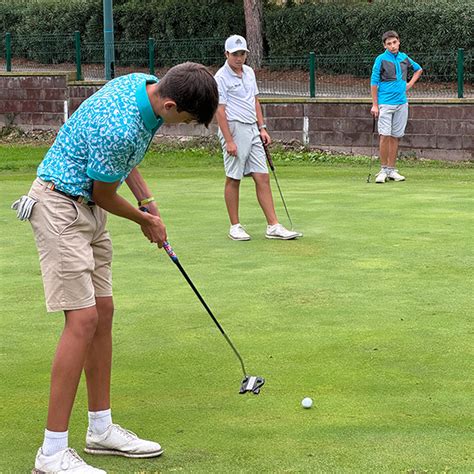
{"x":194,"y":90}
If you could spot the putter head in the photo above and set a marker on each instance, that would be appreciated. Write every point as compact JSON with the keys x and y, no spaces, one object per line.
{"x":252,"y":384}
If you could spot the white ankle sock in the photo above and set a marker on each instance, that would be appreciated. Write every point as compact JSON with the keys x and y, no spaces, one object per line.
{"x":54,"y":441}
{"x":99,"y":421}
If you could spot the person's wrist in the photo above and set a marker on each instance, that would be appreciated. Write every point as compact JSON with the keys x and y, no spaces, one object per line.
{"x":262,"y":127}
{"x":146,"y":201}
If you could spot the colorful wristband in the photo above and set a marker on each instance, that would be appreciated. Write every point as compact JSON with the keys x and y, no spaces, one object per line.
{"x":146,"y":201}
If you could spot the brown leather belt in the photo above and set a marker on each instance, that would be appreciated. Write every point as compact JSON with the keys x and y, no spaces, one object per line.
{"x":80,"y":199}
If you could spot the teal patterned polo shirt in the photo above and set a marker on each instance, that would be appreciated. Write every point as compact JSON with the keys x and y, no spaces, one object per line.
{"x":104,"y":139}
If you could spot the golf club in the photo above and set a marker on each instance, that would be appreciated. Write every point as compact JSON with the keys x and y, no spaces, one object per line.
{"x":272,"y":167}
{"x":372,"y":149}
{"x":249,"y":383}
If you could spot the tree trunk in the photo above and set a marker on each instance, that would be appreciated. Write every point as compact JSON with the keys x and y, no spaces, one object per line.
{"x":253,"y":24}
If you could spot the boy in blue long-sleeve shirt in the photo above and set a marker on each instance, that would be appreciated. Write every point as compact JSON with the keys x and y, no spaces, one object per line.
{"x":389,"y":101}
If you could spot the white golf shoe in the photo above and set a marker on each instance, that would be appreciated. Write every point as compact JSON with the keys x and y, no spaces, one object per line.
{"x":121,"y":442}
{"x":394,"y":175}
{"x":277,"y":231}
{"x":381,"y":177}
{"x":237,"y":232}
{"x":65,"y":461}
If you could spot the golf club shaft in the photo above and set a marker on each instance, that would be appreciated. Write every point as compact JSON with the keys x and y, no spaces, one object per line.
{"x":169,"y":250}
{"x":272,"y":167}
{"x":371,"y":149}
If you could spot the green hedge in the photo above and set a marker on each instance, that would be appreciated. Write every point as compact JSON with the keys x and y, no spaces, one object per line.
{"x":434,"y":25}
{"x":33,"y":23}
{"x":349,"y":28}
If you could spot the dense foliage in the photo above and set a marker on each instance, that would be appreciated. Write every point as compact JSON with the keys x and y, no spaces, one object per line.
{"x":341,"y":27}
{"x":435,"y":25}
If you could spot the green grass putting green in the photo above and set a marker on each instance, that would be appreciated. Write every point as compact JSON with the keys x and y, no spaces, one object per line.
{"x":370,"y":315}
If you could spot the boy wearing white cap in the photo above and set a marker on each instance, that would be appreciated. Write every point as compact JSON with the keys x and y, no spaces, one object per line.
{"x":242,"y":132}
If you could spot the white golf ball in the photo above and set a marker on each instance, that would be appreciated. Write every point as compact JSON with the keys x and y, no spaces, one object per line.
{"x":307,"y":402}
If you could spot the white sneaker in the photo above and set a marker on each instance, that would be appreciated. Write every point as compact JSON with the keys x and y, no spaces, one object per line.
{"x":395,"y":176}
{"x":121,"y":442}
{"x":237,"y":232}
{"x":65,"y":461}
{"x":277,"y":231}
{"x":381,"y":177}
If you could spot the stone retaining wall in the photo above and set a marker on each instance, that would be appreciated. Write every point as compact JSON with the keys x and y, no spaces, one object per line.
{"x":437,"y":128}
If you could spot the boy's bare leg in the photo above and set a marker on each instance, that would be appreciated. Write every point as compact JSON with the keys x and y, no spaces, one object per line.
{"x":98,"y":365}
{"x":392,"y":151}
{"x":264,"y":196}
{"x":79,"y":330}
{"x":231,"y":196}
{"x":384,"y":149}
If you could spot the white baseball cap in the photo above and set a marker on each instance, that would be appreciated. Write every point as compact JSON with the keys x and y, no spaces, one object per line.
{"x":235,"y":43}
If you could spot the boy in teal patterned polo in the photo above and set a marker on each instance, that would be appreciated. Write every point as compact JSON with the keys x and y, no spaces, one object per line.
{"x":95,"y":151}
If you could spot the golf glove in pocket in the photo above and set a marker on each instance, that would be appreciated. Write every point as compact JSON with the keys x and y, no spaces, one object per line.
{"x":23,"y":207}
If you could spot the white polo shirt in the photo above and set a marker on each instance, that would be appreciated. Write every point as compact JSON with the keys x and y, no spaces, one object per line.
{"x":237,"y":93}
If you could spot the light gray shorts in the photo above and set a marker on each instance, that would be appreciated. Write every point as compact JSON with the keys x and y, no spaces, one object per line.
{"x":250,"y":153}
{"x":393,"y":120}
{"x":74,"y":248}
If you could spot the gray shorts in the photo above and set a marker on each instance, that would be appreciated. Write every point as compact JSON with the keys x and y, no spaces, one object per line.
{"x":393,"y":120}
{"x":250,"y":153}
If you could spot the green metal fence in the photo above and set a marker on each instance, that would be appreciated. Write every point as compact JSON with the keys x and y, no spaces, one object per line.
{"x":446,"y":74}
{"x":29,"y":53}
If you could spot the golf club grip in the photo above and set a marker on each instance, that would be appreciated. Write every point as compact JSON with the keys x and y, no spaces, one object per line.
{"x":373,"y":124}
{"x":269,"y":158}
{"x":169,"y":250}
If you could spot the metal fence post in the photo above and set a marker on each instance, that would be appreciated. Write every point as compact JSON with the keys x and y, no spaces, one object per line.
{"x":460,"y":73}
{"x":8,"y":49}
{"x":77,"y":42}
{"x":109,"y":48}
{"x":312,"y":74}
{"x":151,"y":55}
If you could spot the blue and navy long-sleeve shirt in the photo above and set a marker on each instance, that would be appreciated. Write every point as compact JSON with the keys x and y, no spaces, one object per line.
{"x":389,"y":74}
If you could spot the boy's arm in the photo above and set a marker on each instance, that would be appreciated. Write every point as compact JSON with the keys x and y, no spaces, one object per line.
{"x":140,"y":190}
{"x":261,"y":123}
{"x":417,"y":73}
{"x":221,"y":116}
{"x":374,"y":87}
{"x":105,"y":195}
{"x":374,"y":91}
{"x":416,"y":76}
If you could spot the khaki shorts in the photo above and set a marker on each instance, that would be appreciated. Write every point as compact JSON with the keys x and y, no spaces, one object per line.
{"x":250,"y":152}
{"x":393,"y":120}
{"x":75,"y":250}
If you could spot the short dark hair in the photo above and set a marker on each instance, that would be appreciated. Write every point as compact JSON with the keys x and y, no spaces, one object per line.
{"x":389,"y":34}
{"x":194,"y":90}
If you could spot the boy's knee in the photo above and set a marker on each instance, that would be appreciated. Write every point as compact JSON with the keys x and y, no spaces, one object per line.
{"x":105,"y":306}
{"x":83,"y":322}
{"x":232,"y":182}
